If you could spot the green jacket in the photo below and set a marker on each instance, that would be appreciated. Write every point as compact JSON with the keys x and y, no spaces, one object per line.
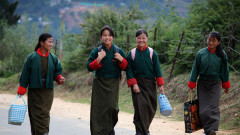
{"x":109,"y":69}
{"x":143,"y":65}
{"x":31,"y":76}
{"x":210,"y":67}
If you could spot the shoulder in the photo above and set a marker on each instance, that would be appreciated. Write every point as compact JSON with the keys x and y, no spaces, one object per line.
{"x":32,"y":55}
{"x":202,"y":51}
{"x":95,"y":50}
{"x":54,"y":56}
{"x":119,"y":49}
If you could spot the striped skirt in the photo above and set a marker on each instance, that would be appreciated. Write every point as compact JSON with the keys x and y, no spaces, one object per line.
{"x":209,"y":94}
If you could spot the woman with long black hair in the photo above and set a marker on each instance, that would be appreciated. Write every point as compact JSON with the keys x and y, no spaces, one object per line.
{"x":211,"y":65}
{"x":40,"y":69}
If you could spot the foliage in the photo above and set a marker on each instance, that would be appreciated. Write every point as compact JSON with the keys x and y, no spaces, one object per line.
{"x":212,"y":15}
{"x":7,"y":10}
{"x":123,"y":22}
{"x":15,"y":47}
{"x":7,"y":14}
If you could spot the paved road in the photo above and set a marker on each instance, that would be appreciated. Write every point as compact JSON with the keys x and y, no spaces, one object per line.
{"x":58,"y":126}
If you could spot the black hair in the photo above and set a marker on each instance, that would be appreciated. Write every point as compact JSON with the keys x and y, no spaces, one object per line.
{"x":141,"y":31}
{"x":219,"y":50}
{"x":106,"y":27}
{"x":42,"y":38}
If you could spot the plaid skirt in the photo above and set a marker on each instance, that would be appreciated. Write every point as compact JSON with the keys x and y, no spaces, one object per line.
{"x":104,"y":105}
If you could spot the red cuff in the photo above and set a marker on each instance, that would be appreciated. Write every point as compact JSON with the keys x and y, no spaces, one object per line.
{"x":21,"y":90}
{"x":131,"y":82}
{"x":123,"y":64}
{"x":58,"y":77}
{"x":160,"y":81}
{"x":226,"y":85}
{"x":191,"y":84}
{"x":94,"y":65}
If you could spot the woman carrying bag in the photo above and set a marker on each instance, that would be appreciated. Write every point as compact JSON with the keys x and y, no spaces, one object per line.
{"x":211,"y":65}
{"x":142,"y":74}
{"x":40,"y":69}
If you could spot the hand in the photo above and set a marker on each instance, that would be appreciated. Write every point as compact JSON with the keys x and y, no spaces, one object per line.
{"x":61,"y":80}
{"x":161,"y":89}
{"x":118,"y":57}
{"x":191,"y":90}
{"x":101,"y":55}
{"x":226,"y":91}
{"x":136,"y":88}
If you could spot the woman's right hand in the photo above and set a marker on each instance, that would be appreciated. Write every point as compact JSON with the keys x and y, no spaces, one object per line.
{"x":190,"y":89}
{"x":101,"y":55}
{"x":136,"y":88}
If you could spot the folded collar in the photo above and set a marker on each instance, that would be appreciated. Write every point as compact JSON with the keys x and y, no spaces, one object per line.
{"x":40,"y":52}
{"x":143,"y":48}
{"x":211,"y":51}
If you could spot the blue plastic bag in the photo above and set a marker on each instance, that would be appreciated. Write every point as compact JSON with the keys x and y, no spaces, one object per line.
{"x":164,"y":105}
{"x":16,"y":113}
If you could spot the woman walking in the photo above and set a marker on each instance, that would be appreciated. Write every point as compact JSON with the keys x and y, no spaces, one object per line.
{"x":40,"y":69}
{"x":142,"y":73}
{"x":211,"y":65}
{"x":108,"y":60}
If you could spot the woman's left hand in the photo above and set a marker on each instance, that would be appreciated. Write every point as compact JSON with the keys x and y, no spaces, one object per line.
{"x":61,"y":80}
{"x":161,"y":89}
{"x":118,"y":57}
{"x":226,"y":91}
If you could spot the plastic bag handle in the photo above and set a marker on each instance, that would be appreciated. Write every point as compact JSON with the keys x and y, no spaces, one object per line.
{"x":18,"y":97}
{"x":191,"y":96}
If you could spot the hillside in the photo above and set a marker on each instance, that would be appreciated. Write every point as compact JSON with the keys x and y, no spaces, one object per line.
{"x":51,"y":13}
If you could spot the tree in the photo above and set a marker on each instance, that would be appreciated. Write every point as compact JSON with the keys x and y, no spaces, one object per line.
{"x":7,"y":12}
{"x":215,"y":15}
{"x":123,"y":22}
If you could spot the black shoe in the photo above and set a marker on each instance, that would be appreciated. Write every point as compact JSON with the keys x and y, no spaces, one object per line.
{"x":212,"y":132}
{"x":112,"y":132}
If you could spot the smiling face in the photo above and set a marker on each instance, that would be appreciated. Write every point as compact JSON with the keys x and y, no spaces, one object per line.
{"x":48,"y":44}
{"x":141,"y":40}
{"x":107,"y":38}
{"x":213,"y":42}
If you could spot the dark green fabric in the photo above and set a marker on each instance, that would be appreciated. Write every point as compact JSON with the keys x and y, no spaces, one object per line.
{"x":104,"y":105}
{"x":31,"y":74}
{"x":210,"y":67}
{"x":209,"y":94}
{"x":143,"y":65}
{"x":145,"y":105}
{"x":110,"y":68}
{"x":39,"y":105}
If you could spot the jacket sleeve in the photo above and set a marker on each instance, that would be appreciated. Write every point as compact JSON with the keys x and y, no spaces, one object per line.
{"x":157,"y":69}
{"x":194,"y":73}
{"x":24,"y":78}
{"x":129,"y":71}
{"x":225,"y":74}
{"x":124,"y":63}
{"x":58,"y":70}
